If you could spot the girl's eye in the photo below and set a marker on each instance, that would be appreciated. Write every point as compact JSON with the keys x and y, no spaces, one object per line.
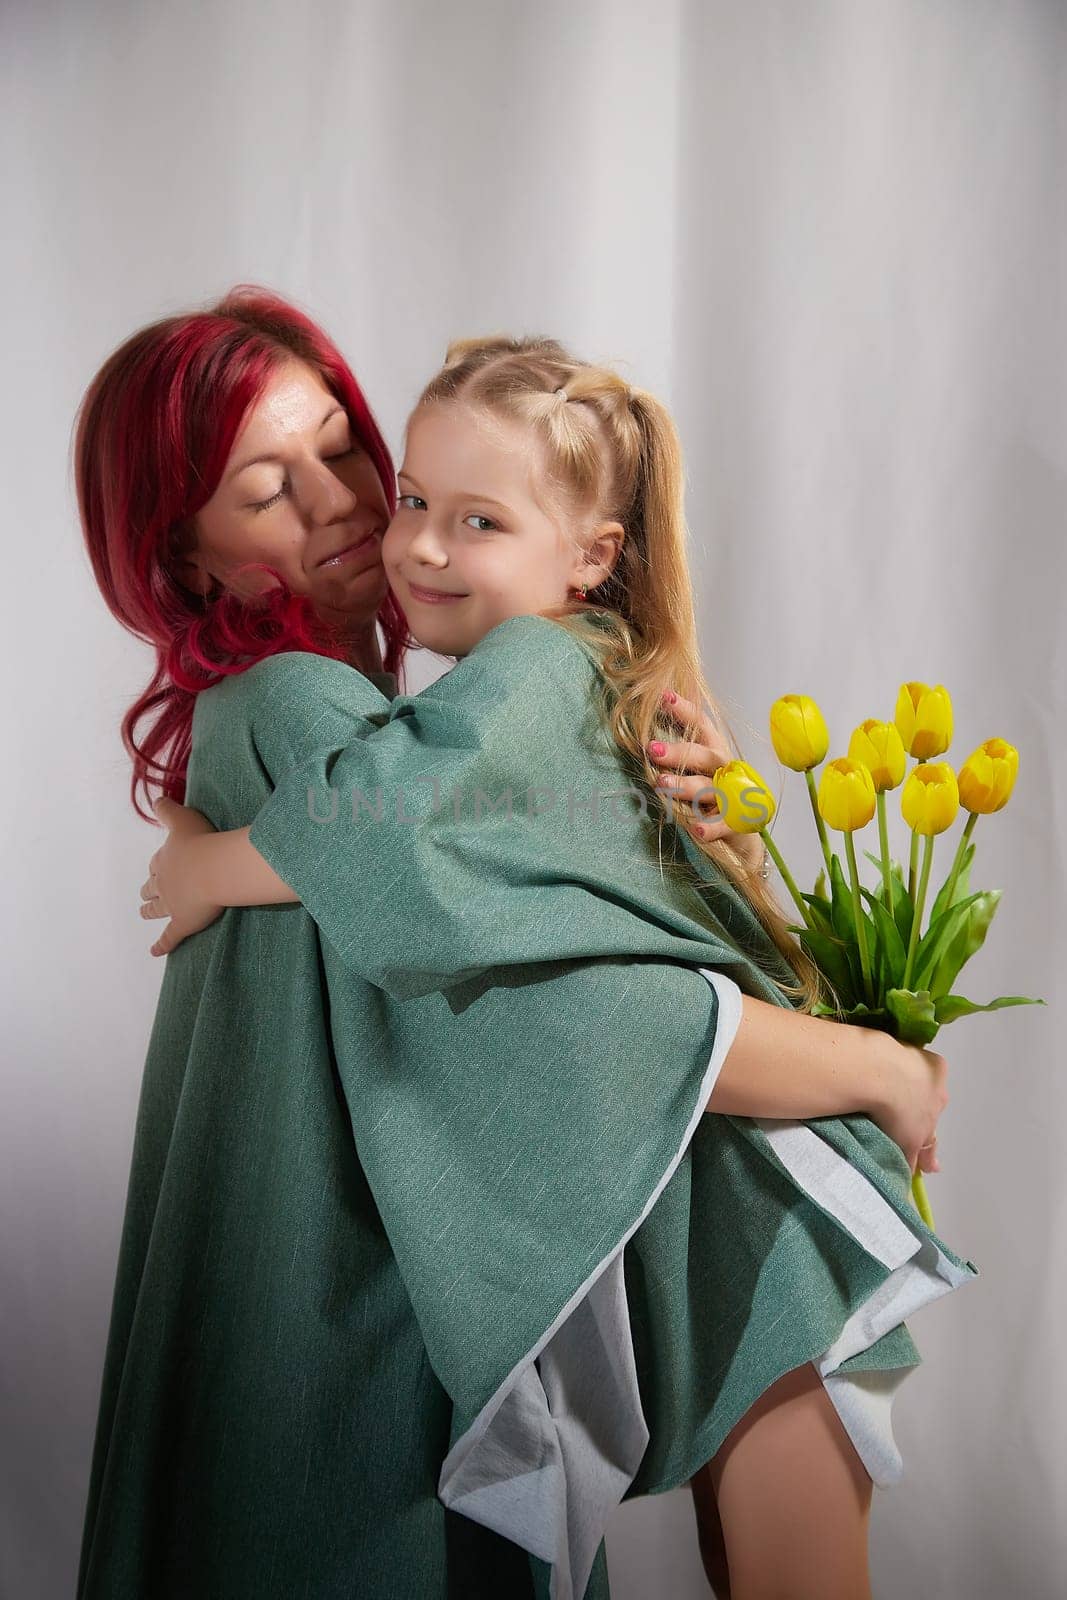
{"x":339,"y":455}
{"x":405,"y":497}
{"x":474,"y":517}
{"x":265,"y":505}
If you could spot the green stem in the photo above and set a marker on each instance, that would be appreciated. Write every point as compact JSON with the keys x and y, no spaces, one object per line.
{"x":883,"y":840}
{"x":861,"y":924}
{"x":928,"y":856}
{"x":820,"y":824}
{"x":922,"y":1204}
{"x":913,"y":866}
{"x":787,"y":877}
{"x":961,"y":850}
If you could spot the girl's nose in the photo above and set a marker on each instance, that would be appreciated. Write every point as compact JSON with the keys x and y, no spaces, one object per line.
{"x":427,"y":546}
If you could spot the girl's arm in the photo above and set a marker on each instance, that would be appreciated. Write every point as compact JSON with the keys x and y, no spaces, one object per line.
{"x":786,"y":1064}
{"x":197,"y":872}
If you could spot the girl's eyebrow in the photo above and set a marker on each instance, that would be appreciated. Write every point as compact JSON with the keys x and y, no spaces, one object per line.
{"x":460,"y":494}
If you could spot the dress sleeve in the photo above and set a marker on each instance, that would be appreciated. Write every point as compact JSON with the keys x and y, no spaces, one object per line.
{"x":486,"y":822}
{"x":299,"y":702}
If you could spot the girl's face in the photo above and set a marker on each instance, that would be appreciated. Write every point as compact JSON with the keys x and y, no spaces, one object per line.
{"x":469,"y":545}
{"x":300,"y":492}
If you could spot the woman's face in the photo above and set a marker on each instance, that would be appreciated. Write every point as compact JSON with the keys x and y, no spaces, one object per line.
{"x":300,"y":492}
{"x":469,"y":545}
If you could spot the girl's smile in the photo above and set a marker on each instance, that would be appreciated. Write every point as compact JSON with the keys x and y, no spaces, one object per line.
{"x":433,"y":597}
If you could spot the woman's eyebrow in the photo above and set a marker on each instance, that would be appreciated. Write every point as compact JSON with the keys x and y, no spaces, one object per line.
{"x":460,"y":494}
{"x":254,"y":461}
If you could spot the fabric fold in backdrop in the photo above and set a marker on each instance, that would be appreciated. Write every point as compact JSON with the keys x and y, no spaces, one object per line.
{"x":591,"y":1259}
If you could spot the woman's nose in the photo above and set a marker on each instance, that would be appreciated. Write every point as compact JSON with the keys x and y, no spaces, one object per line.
{"x":324,"y":497}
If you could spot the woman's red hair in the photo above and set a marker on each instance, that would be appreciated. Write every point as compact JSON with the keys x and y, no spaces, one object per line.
{"x":153,"y":434}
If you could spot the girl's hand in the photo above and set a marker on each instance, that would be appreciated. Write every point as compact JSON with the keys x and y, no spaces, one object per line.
{"x":694,"y":766}
{"x":177,"y":885}
{"x":912,"y":1097}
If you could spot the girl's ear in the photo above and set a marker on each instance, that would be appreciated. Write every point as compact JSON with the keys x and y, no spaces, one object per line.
{"x":604,"y":549}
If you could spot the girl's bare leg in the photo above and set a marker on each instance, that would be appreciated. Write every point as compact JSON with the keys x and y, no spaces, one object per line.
{"x":709,"y":1529}
{"x":793,"y":1497}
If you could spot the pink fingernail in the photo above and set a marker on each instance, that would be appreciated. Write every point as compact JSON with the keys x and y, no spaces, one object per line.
{"x":669,"y":697}
{"x":658,"y":748}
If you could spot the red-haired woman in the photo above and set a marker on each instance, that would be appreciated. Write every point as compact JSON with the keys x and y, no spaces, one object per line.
{"x":269,"y":1422}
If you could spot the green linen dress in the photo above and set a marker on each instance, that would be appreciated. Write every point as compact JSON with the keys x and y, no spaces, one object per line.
{"x":269,"y":1426}
{"x":429,"y":1202}
{"x":606,"y":1278}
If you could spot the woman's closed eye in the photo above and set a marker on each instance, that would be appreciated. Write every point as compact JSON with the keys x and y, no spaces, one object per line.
{"x":272,"y":500}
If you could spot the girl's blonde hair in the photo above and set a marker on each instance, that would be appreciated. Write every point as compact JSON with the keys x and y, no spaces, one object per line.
{"x":611,"y":452}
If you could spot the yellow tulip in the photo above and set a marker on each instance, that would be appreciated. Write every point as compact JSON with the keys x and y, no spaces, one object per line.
{"x":798,"y":732}
{"x":930,"y":798}
{"x":987,"y":777}
{"x":746,"y":805}
{"x":846,"y":795}
{"x":924,"y":718}
{"x":881,"y":749}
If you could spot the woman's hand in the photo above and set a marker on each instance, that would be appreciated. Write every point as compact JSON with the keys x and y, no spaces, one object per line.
{"x":912,"y":1098}
{"x":694,"y":766}
{"x":178,"y":884}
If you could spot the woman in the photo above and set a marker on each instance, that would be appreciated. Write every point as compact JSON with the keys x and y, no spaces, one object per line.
{"x":270,"y":1421}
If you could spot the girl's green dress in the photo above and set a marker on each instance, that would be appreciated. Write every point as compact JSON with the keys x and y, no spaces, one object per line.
{"x":434,"y":1192}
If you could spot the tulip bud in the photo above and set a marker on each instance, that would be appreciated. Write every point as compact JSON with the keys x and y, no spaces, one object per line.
{"x":987,"y":777}
{"x":846,"y":795}
{"x":924,"y":718}
{"x":930,"y":798}
{"x":798,"y":732}
{"x":879,"y":746}
{"x":746,"y":804}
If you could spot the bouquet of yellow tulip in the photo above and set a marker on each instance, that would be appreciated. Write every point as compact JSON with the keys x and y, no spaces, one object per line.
{"x":870,"y":946}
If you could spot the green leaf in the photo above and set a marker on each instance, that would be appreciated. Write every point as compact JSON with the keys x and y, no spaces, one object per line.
{"x":961,"y":891}
{"x":841,"y":902}
{"x":932,"y":943}
{"x":940,"y":965}
{"x":892,"y":951}
{"x":820,"y":885}
{"x":915,"y":1021}
{"x":831,"y":958}
{"x":863,"y":1015}
{"x":820,"y":910}
{"x":950,"y":1006}
{"x":902,"y":908}
{"x":844,"y":923}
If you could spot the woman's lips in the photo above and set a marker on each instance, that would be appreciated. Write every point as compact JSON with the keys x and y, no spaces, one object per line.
{"x":432,"y":597}
{"x":349,"y":551}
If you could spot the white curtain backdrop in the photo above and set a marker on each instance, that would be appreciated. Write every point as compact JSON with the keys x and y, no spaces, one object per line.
{"x":831,"y":234}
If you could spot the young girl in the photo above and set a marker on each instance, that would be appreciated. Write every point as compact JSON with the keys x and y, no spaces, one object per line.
{"x":778,"y":1263}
